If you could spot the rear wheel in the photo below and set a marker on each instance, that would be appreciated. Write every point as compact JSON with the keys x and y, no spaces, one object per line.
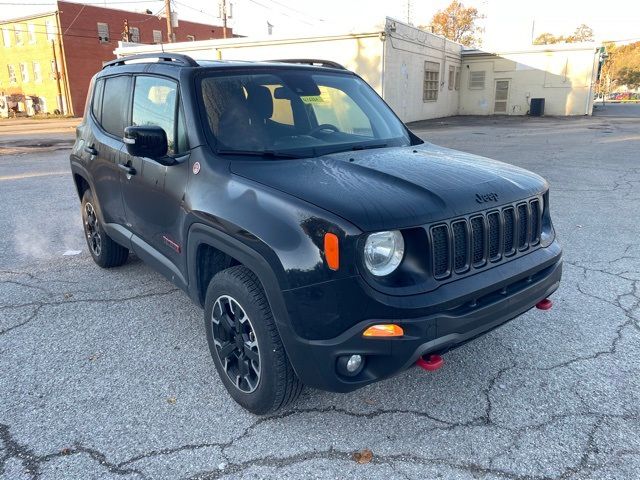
{"x":104,"y":251}
{"x":245,"y":345}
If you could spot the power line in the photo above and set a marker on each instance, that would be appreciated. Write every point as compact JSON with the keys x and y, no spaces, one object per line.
{"x":295,"y":10}
{"x":281,"y":12}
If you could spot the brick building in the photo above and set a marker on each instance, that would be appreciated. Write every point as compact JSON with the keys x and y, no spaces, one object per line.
{"x":47,"y":60}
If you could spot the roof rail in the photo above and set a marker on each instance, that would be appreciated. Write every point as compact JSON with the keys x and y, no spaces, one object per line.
{"x":311,"y":61}
{"x":169,"y":58}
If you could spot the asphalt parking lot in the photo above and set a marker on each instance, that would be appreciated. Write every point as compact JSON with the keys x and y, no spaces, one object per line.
{"x":106,"y":374}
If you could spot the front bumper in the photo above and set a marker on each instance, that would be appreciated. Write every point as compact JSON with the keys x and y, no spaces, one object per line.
{"x":460,"y":312}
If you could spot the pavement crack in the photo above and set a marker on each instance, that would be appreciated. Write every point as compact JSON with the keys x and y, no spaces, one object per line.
{"x":32,"y":463}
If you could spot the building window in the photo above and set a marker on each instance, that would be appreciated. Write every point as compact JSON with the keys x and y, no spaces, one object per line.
{"x":32,"y":33}
{"x":6,"y":37}
{"x":51,"y":31}
{"x":451,"y":79}
{"x":431,"y":81}
{"x":457,"y":80}
{"x":12,"y":74}
{"x":476,"y":80}
{"x":24,"y":72}
{"x":191,"y":38}
{"x":135,"y":34}
{"x":17,"y":32}
{"x":103,"y":32}
{"x":157,"y":36}
{"x":37,"y":72}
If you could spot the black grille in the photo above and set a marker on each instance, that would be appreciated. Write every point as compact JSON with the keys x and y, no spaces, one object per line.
{"x":496,"y":234}
{"x":440,"y":236}
{"x":477,"y":240}
{"x":535,"y":221}
{"x":522,"y":226}
{"x":460,"y":245}
{"x":509,"y":225}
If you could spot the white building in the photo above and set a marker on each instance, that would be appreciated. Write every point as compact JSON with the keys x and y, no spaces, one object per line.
{"x":505,"y":82}
{"x":422,"y":75}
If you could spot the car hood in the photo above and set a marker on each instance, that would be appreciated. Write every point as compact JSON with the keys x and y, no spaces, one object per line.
{"x":396,"y":187}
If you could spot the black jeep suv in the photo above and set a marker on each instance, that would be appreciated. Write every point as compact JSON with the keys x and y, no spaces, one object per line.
{"x":328,"y":245}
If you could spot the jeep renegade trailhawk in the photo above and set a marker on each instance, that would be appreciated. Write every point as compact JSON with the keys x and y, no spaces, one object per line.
{"x":328,"y":245}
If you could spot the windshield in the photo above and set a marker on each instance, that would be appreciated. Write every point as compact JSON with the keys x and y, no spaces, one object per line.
{"x":297,"y":113}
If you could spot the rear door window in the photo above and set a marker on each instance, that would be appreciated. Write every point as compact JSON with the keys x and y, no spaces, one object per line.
{"x":115,"y":105}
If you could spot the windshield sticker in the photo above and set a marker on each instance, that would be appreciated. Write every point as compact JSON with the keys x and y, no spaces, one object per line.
{"x":312,"y":99}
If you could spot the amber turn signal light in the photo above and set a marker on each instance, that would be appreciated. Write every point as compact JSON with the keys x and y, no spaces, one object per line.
{"x":332,"y":251}
{"x":384,"y":330}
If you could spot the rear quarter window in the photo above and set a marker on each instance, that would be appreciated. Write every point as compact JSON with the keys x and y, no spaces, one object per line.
{"x":96,"y":103}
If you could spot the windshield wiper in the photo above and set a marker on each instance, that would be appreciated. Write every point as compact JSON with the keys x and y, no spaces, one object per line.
{"x":368,"y":146}
{"x":257,"y":153}
{"x":351,"y":148}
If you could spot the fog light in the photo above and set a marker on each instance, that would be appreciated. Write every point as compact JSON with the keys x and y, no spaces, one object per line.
{"x":353,"y":364}
{"x":350,"y":365}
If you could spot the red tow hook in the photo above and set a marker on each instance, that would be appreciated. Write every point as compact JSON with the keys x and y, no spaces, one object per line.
{"x":432,"y":363}
{"x":545,"y":304}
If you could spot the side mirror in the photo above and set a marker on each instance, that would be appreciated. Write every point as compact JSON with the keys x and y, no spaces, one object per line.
{"x":146,"y":141}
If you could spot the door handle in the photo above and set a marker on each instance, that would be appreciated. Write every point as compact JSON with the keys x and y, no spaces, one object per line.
{"x":91,"y":150}
{"x":127,"y":169}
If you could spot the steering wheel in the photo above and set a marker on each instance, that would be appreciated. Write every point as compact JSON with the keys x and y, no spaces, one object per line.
{"x":323,"y":126}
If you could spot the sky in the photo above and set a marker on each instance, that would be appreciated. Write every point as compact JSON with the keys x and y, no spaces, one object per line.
{"x":507,"y":23}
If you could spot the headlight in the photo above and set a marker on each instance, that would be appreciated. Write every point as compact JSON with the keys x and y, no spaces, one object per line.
{"x":383,"y":252}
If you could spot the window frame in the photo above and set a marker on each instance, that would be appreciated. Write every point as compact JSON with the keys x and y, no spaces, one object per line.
{"x":456,"y":82}
{"x":106,"y":39}
{"x":50,"y":29}
{"x":178,"y":110}
{"x":6,"y":37}
{"x":17,"y":35}
{"x":451,"y":78}
{"x":153,"y":36}
{"x":100,"y":80}
{"x":191,"y":38}
{"x":484,"y":80}
{"x":135,"y":34}
{"x":24,"y":72}
{"x":11,"y":72}
{"x":31,"y":33}
{"x":37,"y":77}
{"x":427,"y":79}
{"x":127,"y":119}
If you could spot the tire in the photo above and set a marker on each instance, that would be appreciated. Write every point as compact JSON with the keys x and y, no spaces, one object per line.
{"x":104,"y":251}
{"x":238,"y":321}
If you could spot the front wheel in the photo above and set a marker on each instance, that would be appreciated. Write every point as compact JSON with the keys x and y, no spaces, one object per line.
{"x":245,"y":345}
{"x":104,"y":251}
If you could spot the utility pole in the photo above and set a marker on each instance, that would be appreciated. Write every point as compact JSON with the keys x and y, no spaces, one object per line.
{"x":56,"y":73}
{"x":224,"y":18}
{"x":126,"y":35}
{"x":409,"y":12}
{"x":167,"y":10}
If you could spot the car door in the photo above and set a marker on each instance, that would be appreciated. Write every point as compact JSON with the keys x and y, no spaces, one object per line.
{"x":152,"y":191}
{"x":103,"y":150}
